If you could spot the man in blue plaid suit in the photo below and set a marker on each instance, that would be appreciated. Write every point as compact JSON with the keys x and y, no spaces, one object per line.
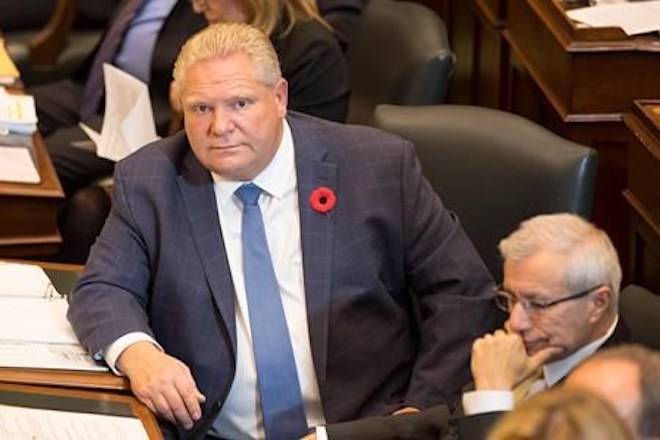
{"x":382,"y":291}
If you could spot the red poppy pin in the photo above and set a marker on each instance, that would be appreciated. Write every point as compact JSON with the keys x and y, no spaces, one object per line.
{"x":323,"y":199}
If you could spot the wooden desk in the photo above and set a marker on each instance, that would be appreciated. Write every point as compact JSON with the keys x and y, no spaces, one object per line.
{"x":28,"y":219}
{"x":643,"y":193}
{"x":579,"y":82}
{"x":87,"y":401}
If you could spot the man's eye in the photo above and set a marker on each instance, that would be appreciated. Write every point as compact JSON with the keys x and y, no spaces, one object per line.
{"x":201,"y":108}
{"x":241,"y":104}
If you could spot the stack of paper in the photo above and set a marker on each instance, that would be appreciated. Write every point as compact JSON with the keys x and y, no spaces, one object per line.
{"x":17,"y":166}
{"x":634,"y":18}
{"x":44,"y":424}
{"x":17,"y":113}
{"x":8,"y":71}
{"x":34,"y":331}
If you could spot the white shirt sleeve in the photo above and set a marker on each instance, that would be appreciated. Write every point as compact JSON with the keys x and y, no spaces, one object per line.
{"x":321,"y":433}
{"x":112,"y":352}
{"x":483,"y":401}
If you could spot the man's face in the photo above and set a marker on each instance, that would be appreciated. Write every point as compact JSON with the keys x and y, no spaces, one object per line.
{"x":565,"y":325}
{"x":615,"y":380}
{"x":220,"y":11}
{"x":233,"y":120}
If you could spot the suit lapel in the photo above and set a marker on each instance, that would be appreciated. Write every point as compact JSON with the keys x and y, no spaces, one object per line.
{"x":317,"y":236}
{"x":196,"y":187}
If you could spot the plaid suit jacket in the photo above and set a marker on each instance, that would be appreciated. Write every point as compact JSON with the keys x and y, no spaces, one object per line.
{"x":159,"y":266}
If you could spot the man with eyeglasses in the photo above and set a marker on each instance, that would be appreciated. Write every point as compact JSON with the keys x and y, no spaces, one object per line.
{"x":561,"y":287}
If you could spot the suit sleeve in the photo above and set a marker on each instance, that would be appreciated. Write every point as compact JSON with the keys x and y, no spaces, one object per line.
{"x":453,"y":291}
{"x":430,"y":424}
{"x":111,"y":298}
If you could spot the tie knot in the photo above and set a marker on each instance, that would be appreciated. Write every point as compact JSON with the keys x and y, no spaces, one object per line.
{"x":248,"y":193}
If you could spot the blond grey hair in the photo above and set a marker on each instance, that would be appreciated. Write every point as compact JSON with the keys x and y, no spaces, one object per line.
{"x":224,"y":39}
{"x":592,"y":259}
{"x":267,"y":15}
{"x":561,"y":414}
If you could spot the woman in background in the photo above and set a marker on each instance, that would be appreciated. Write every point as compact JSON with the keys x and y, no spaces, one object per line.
{"x":310,"y":57}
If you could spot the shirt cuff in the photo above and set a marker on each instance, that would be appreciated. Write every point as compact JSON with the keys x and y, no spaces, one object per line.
{"x":321,"y":433}
{"x":112,"y":352}
{"x":479,"y":402}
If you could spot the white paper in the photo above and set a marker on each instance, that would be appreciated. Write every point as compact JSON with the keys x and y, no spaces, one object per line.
{"x":16,"y":165}
{"x":17,"y":354}
{"x":17,"y":113}
{"x":34,"y":330}
{"x":35,"y":320}
{"x":24,"y":280}
{"x":634,"y":18}
{"x":18,"y":423}
{"x":128,"y":121}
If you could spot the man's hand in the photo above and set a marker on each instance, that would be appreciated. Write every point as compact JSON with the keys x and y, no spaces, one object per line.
{"x":162,"y":382}
{"x":500,"y":362}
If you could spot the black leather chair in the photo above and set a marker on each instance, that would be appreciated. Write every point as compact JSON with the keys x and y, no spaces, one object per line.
{"x":494,"y":169}
{"x":640,"y":309}
{"x":400,"y":55}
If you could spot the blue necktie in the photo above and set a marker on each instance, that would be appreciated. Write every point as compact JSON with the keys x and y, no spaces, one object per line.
{"x":93,"y":90}
{"x":281,"y":401}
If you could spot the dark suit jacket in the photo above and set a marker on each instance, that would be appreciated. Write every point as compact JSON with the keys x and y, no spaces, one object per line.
{"x":343,"y":16}
{"x":180,"y":24}
{"x":160,"y":267}
{"x":435,"y":423}
{"x":316,"y":70}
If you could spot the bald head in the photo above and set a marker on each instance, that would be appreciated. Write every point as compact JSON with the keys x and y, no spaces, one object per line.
{"x":628,"y":377}
{"x":615,"y":380}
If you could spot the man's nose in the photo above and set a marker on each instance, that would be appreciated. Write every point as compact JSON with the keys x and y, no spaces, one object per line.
{"x":519,"y":320}
{"x":222,"y":123}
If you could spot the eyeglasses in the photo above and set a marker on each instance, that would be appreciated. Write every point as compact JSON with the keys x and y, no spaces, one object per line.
{"x":507,"y":301}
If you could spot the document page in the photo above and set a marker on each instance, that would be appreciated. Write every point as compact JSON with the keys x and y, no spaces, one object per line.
{"x":23,"y":280}
{"x":128,"y":121}
{"x":34,"y":330}
{"x":634,"y":18}
{"x":18,"y":423}
{"x":16,"y":165}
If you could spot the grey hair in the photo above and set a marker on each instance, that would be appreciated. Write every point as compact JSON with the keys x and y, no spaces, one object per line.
{"x":224,"y":39}
{"x":592,"y":257}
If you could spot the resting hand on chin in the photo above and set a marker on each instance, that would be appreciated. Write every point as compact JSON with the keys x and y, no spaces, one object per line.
{"x":500,"y":361}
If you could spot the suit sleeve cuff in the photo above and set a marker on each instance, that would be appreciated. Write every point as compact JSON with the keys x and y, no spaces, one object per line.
{"x":478,"y":402}
{"x":114,"y":350}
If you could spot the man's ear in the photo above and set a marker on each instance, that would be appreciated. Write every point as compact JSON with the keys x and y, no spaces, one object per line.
{"x":600,"y":303}
{"x":282,"y":96}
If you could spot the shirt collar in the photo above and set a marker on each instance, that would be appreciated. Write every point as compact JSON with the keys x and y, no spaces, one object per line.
{"x":556,"y":371}
{"x":276,"y":179}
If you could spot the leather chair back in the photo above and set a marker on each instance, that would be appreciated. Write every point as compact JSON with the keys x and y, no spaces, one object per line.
{"x":399,"y":54}
{"x":494,"y":169}
{"x":640,"y":310}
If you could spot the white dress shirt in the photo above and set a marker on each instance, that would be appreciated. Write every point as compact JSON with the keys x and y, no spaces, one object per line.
{"x":241,"y":416}
{"x":483,"y":401}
